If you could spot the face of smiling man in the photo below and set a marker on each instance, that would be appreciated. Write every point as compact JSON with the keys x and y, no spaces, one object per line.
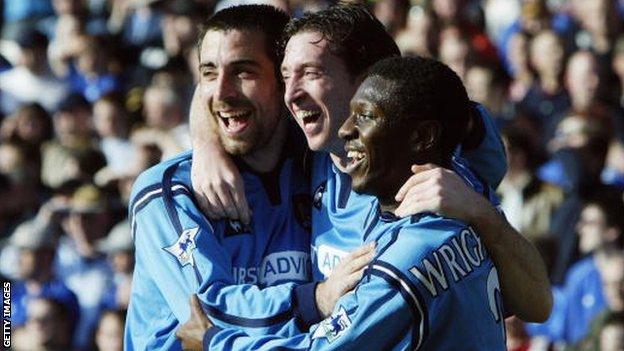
{"x":238,"y":83}
{"x":318,"y":88}
{"x":377,"y":142}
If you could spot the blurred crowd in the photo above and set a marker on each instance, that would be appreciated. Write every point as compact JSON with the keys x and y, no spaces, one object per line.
{"x":92,"y":92}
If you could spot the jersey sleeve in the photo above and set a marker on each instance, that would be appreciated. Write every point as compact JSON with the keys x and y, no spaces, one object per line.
{"x":178,"y":254}
{"x":384,"y":304}
{"x":488,"y":160}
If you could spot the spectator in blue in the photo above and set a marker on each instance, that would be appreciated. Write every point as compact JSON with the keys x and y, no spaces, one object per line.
{"x":18,"y":15}
{"x":581,"y":298}
{"x":36,"y":244}
{"x":119,"y":249}
{"x":535,"y":16}
{"x":82,"y":267}
{"x":31,"y":80}
{"x":89,"y":74}
{"x":546,"y":100}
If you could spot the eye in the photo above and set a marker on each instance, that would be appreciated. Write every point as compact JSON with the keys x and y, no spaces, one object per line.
{"x":209,"y":74}
{"x":363,"y":117}
{"x":312,"y":74}
{"x":245,"y":74}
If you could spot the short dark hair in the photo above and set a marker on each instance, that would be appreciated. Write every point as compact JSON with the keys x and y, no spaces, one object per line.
{"x":356,"y":36}
{"x":426,"y":89}
{"x":612,"y":207}
{"x":265,"y":18}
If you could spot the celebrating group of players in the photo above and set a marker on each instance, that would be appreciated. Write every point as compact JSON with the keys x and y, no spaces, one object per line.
{"x":374,"y":229}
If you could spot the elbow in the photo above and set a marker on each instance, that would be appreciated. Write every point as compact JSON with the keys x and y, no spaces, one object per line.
{"x":541,"y":309}
{"x":547,"y":306}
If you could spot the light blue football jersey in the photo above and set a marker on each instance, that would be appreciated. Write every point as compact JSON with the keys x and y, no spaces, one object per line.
{"x":244,"y":276}
{"x":431,"y":286}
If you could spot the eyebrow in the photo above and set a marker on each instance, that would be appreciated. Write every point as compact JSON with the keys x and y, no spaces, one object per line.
{"x":241,"y":62}
{"x":303,"y":66}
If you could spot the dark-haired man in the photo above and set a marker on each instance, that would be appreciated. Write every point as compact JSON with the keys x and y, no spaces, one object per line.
{"x":234,"y":268}
{"x":326,"y":56}
{"x":432,"y":285}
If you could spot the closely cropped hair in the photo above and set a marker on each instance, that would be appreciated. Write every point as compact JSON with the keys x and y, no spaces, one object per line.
{"x":265,"y":18}
{"x":426,"y":89}
{"x":355,"y":34}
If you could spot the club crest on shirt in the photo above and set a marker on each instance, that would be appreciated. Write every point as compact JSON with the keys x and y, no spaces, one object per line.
{"x":333,"y":327}
{"x":318,"y":196}
{"x":301,"y":208}
{"x":183,"y":248}
{"x":236,"y":227}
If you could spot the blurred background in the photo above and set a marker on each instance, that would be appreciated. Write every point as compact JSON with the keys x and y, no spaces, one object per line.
{"x":92,"y":92}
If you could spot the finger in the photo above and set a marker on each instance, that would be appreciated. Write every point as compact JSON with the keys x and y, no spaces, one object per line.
{"x":228,"y":203}
{"x":240,"y":202}
{"x":352,"y":280}
{"x":215,"y":205}
{"x":412,"y":207}
{"x":196,"y":308}
{"x":203,"y":204}
{"x":418,"y":178}
{"x":362,"y":250}
{"x":360,"y":262}
{"x":421,"y":168}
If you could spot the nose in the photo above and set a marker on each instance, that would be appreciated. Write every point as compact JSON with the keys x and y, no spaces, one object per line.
{"x":225,"y":88}
{"x":348,"y":131}
{"x":292,"y":91}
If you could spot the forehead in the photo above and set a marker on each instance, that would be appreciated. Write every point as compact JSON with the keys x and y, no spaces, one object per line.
{"x":372,"y":91}
{"x":309,"y":48}
{"x":223,"y":47}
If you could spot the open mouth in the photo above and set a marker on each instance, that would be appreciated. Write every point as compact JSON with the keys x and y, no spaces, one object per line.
{"x":234,"y":122}
{"x":355,"y":160}
{"x":310,"y":120}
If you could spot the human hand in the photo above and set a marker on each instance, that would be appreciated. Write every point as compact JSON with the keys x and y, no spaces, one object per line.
{"x":344,"y":278}
{"x":439,"y":190}
{"x":191,"y":333}
{"x":218,"y":186}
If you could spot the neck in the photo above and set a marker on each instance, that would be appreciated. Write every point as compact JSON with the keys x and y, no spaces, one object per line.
{"x":550,"y":84}
{"x":266,"y":158}
{"x":339,"y":162}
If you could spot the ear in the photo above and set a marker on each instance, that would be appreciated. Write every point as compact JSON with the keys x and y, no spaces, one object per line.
{"x":425,"y":136}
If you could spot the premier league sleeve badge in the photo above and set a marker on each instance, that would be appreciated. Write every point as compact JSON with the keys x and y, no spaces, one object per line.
{"x":183,"y":248}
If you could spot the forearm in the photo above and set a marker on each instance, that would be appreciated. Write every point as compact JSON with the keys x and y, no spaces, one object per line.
{"x":522,"y":273}
{"x":204,"y":136}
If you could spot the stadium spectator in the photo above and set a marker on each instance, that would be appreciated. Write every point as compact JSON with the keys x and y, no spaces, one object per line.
{"x":519,"y":67}
{"x":79,"y":264}
{"x":109,"y":334}
{"x":36,"y":244}
{"x":31,"y":79}
{"x":165,"y":121}
{"x":119,"y":249}
{"x":48,"y":327}
{"x":612,"y":333}
{"x":73,"y":129}
{"x":600,"y":233}
{"x":612,"y":274}
{"x":112,"y":125}
{"x":527,"y":201}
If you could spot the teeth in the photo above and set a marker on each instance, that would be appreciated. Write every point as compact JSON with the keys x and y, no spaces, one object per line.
{"x":233,"y":114}
{"x":304,"y":114}
{"x":356,"y":155}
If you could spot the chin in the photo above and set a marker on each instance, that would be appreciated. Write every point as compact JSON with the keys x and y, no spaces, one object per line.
{"x":237,"y":148}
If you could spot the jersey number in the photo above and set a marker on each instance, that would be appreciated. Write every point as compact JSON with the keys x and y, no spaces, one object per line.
{"x":495,"y":298}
